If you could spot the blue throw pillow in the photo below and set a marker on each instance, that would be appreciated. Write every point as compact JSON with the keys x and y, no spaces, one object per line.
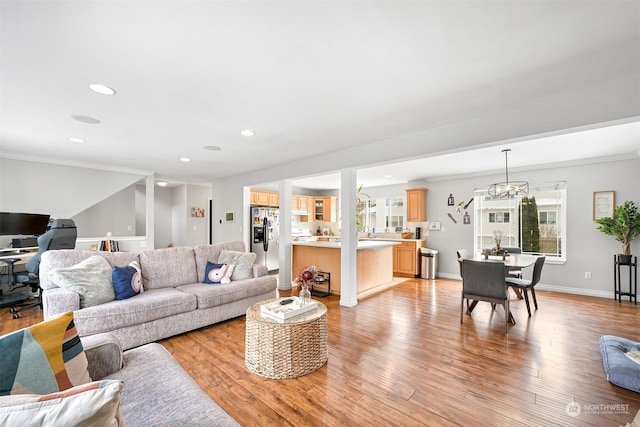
{"x":127,"y":281}
{"x":218,"y":273}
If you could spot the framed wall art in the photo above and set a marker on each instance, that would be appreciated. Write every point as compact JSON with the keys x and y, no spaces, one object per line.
{"x":604,"y":203}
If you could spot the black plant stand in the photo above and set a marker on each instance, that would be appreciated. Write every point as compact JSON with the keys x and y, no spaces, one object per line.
{"x":633,"y":279}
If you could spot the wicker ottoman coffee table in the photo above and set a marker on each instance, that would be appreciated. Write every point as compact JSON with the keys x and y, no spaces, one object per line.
{"x":296,"y":347}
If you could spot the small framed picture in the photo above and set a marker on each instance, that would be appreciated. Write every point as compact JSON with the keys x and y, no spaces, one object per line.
{"x":197,"y":212}
{"x":604,"y":203}
{"x":229,"y":216}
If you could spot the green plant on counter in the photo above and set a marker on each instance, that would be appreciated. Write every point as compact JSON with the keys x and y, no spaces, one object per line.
{"x":624,"y":225}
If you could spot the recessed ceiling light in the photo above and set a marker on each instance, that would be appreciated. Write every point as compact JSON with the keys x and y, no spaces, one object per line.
{"x":212,"y":148}
{"x":162,"y":183}
{"x":247,"y":132}
{"x":388,"y":176}
{"x":101,"y":89}
{"x":72,"y":139}
{"x":86,"y":119}
{"x":185,"y":159}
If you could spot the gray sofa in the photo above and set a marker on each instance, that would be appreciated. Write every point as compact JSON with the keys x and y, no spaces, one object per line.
{"x":157,"y":391}
{"x":174,"y":300}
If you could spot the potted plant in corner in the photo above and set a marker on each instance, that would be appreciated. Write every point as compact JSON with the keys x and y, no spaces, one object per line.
{"x":624,"y":226}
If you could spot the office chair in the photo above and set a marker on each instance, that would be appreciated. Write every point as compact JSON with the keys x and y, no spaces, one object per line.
{"x":61,"y":234}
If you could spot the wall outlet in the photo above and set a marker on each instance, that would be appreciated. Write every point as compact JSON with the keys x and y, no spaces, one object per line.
{"x":143,"y":244}
{"x":587,"y":275}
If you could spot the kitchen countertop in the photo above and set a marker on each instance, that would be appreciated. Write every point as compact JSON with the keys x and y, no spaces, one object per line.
{"x":362,"y":244}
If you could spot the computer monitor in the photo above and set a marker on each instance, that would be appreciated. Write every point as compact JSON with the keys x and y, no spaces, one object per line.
{"x":28,"y":224}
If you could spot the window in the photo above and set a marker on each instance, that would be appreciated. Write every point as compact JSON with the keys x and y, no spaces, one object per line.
{"x":547,"y":217}
{"x":380,"y":214}
{"x":536,"y":224}
{"x":495,"y":217}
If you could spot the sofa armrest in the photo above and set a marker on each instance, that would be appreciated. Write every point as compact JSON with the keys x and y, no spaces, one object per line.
{"x":57,"y":301}
{"x":260,"y":270}
{"x":104,"y":354}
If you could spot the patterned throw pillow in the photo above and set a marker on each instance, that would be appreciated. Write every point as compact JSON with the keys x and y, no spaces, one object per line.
{"x":218,"y":273}
{"x":242,"y":260}
{"x":91,"y":279}
{"x":127,"y":281}
{"x":92,"y":404}
{"x":44,"y":358}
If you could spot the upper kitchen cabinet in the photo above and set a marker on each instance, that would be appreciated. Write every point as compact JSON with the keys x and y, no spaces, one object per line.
{"x":300,"y":204}
{"x":416,"y":204}
{"x":265,"y":198}
{"x":324,"y":209}
{"x":274,"y":199}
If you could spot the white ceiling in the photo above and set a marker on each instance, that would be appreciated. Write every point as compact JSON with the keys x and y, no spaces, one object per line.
{"x":309,"y":77}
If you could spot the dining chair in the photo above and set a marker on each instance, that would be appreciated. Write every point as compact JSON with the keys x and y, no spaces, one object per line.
{"x":484,"y":281}
{"x":528,"y":285}
{"x":462,"y":254}
{"x":514,"y":271}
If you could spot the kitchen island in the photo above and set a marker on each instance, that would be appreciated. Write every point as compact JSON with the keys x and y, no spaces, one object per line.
{"x":374,"y":260}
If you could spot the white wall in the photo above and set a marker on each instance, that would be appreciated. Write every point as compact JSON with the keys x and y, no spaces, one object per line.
{"x":61,"y":191}
{"x":115,"y":214}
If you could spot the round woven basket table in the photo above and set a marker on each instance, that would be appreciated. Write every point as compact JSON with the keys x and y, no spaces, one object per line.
{"x":295,"y":347}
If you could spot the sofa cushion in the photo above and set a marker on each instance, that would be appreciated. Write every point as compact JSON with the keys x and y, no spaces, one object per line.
{"x":62,"y":258}
{"x":213,"y":296}
{"x":218,"y":273}
{"x":620,"y":369}
{"x":211,"y":253}
{"x":168,"y":267}
{"x":43,"y":358}
{"x":158,"y":391}
{"x":127,"y":280}
{"x":243,"y":261}
{"x":93,"y":404}
{"x":91,"y":279}
{"x":149,"y":305}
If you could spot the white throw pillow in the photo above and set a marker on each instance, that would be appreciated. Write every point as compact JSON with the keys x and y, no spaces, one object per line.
{"x":93,"y":404}
{"x":243,"y":263}
{"x":90,"y":278}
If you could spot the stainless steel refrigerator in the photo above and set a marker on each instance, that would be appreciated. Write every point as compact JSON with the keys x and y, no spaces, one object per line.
{"x":265,"y":238}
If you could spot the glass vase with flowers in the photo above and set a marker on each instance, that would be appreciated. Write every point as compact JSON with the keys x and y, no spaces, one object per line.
{"x":304,"y":280}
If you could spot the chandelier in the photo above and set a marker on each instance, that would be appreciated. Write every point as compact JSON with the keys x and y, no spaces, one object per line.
{"x":507,"y":189}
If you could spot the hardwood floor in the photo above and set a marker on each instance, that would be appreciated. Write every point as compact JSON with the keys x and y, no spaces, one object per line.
{"x":403,"y":358}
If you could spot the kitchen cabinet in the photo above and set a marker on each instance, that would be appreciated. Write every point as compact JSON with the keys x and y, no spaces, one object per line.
{"x":300,"y":203}
{"x":324,"y":209}
{"x":416,"y":204}
{"x":265,"y":198}
{"x":274,"y":200}
{"x":406,"y":262}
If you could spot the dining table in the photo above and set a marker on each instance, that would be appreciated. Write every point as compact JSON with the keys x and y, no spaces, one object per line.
{"x":510,"y":261}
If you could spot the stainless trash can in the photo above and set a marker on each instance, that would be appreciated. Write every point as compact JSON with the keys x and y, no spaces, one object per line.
{"x":429,"y":264}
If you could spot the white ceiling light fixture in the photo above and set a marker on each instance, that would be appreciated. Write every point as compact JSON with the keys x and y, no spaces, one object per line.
{"x":247,"y":132}
{"x":185,"y":159}
{"x":212,"y":148}
{"x":101,"y":89}
{"x":73,"y":139}
{"x":162,"y":183}
{"x":508,"y":189}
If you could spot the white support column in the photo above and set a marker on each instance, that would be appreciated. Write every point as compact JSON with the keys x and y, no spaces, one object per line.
{"x":284,"y":255}
{"x":150,"y":207}
{"x":349,"y":237}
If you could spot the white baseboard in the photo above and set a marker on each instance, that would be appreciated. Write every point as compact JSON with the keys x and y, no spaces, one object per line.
{"x":551,"y":288}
